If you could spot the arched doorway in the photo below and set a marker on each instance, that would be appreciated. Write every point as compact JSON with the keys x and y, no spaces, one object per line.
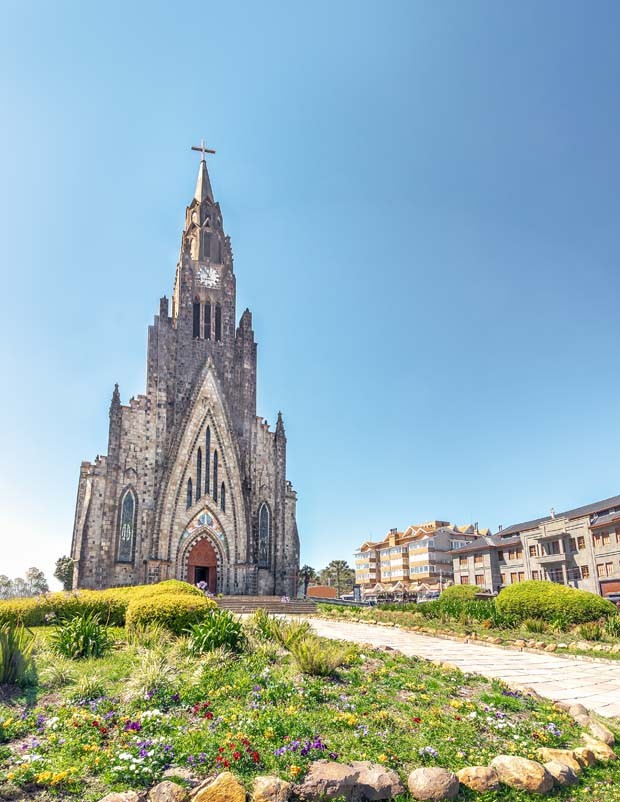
{"x":202,"y":565}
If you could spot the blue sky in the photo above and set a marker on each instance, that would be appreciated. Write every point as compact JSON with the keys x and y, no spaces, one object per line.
{"x":423,"y":204}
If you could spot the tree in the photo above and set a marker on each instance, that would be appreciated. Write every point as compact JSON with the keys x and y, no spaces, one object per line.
{"x":20,"y":588}
{"x":36,"y":582}
{"x":6,"y":587}
{"x":307,"y":574}
{"x":340,"y":575}
{"x":64,"y":572}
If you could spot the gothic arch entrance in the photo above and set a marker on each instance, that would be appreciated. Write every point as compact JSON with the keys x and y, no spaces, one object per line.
{"x":202,"y":564}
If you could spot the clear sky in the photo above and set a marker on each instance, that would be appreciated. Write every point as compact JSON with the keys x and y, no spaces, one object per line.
{"x":424,"y":210}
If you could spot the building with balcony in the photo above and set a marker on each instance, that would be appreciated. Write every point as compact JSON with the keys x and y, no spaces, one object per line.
{"x":421,"y":555}
{"x":579,"y":547}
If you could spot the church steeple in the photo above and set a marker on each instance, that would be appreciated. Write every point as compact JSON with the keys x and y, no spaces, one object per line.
{"x":203,"y":185}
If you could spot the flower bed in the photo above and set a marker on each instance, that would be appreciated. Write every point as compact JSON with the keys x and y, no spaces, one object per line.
{"x":122,"y":720}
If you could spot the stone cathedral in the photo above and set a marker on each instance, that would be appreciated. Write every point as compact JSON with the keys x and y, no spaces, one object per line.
{"x":194,"y":484}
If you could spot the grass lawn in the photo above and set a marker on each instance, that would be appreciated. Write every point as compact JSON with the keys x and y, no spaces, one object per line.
{"x":119,"y":721}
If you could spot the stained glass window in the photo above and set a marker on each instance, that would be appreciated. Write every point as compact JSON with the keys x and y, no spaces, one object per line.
{"x":189,"y":493}
{"x":199,"y":474}
{"x":196,"y":326}
{"x":264,"y":527}
{"x":223,"y":498}
{"x":218,"y":322}
{"x":215,"y":475}
{"x":207,"y":461}
{"x":127,"y":523}
{"x":207,"y":321}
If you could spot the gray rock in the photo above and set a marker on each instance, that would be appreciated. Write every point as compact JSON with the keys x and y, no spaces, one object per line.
{"x":376,"y":782}
{"x":122,"y":796}
{"x":522,"y":774}
{"x":601,"y":732}
{"x":327,"y":780}
{"x":181,"y":773}
{"x":600,"y":749}
{"x":433,"y":783}
{"x":561,"y":773}
{"x":167,"y":791}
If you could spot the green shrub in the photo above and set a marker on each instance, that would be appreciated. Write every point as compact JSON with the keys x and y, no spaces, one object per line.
{"x":261,"y":624}
{"x":80,"y":637}
{"x":591,"y":631}
{"x":286,"y":632}
{"x":612,"y":626}
{"x":219,"y":628}
{"x":461,"y":593}
{"x":534,"y":625}
{"x":110,"y":604}
{"x":548,"y":600}
{"x":176,"y":612}
{"x":16,"y":663}
{"x":87,"y":688}
{"x":319,"y":657}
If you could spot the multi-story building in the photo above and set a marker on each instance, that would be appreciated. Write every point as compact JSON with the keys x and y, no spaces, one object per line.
{"x":579,"y":547}
{"x":420,"y":554}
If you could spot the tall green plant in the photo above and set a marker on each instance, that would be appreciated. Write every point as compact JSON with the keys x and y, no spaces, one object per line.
{"x":16,"y":662}
{"x":220,"y":628}
{"x":82,"y":636}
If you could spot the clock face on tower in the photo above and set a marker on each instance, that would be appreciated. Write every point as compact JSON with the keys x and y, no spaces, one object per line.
{"x":208,"y":277}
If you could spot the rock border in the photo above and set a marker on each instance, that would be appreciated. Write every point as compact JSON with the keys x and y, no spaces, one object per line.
{"x":363,"y":780}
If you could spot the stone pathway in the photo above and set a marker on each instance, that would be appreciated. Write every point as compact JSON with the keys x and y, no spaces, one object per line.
{"x":563,"y":679}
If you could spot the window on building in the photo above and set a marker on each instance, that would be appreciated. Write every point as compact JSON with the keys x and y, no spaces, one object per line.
{"x":585,"y":572}
{"x":553,"y":547}
{"x":478,"y":559}
{"x":264,"y":535}
{"x":609,"y":569}
{"x":500,"y":556}
{"x":581,"y":542}
{"x":535,"y":574}
{"x":127,"y":521}
{"x":464,"y":580}
{"x":215,"y":475}
{"x":207,"y":321}
{"x":521,"y":576}
{"x":617,"y":535}
{"x":223,"y":497}
{"x":502,"y":578}
{"x":605,"y":539}
{"x":519,"y":553}
{"x":479,"y":579}
{"x":513,"y":578}
{"x":218,"y":322}
{"x":600,"y":569}
{"x":462,"y":562}
{"x":512,"y":554}
{"x":198,"y":473}
{"x":188,"y":502}
{"x":196,"y":311}
{"x":207,"y":461}
{"x":555,"y":575}
{"x":572,"y":544}
{"x":533,"y":551}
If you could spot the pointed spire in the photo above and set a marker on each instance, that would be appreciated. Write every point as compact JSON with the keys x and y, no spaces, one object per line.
{"x":116,"y":400}
{"x":203,"y":185}
{"x":280,"y":426}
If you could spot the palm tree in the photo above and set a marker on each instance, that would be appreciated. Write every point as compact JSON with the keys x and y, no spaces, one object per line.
{"x":307,"y":574}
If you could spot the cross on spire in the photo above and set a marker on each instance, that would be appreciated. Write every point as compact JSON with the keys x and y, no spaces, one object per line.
{"x":202,"y":149}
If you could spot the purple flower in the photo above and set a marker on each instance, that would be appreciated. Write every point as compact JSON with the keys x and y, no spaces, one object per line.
{"x":428,"y":751}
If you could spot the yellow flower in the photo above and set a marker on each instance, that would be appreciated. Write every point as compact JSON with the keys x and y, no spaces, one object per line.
{"x":295,"y":770}
{"x":269,"y":733}
{"x":382,"y":758}
{"x":8,"y":722}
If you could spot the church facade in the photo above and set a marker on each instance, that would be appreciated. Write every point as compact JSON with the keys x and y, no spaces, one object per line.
{"x":194,"y":484}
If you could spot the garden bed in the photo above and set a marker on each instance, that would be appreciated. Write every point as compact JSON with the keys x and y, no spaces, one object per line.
{"x":121,"y":720}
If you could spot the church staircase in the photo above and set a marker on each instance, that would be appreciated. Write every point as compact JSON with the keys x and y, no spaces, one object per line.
{"x":271,"y":604}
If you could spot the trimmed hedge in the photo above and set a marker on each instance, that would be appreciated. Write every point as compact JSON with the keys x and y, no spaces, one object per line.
{"x":548,"y":600}
{"x":460,"y":593}
{"x":109,"y":605}
{"x":176,"y":612}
